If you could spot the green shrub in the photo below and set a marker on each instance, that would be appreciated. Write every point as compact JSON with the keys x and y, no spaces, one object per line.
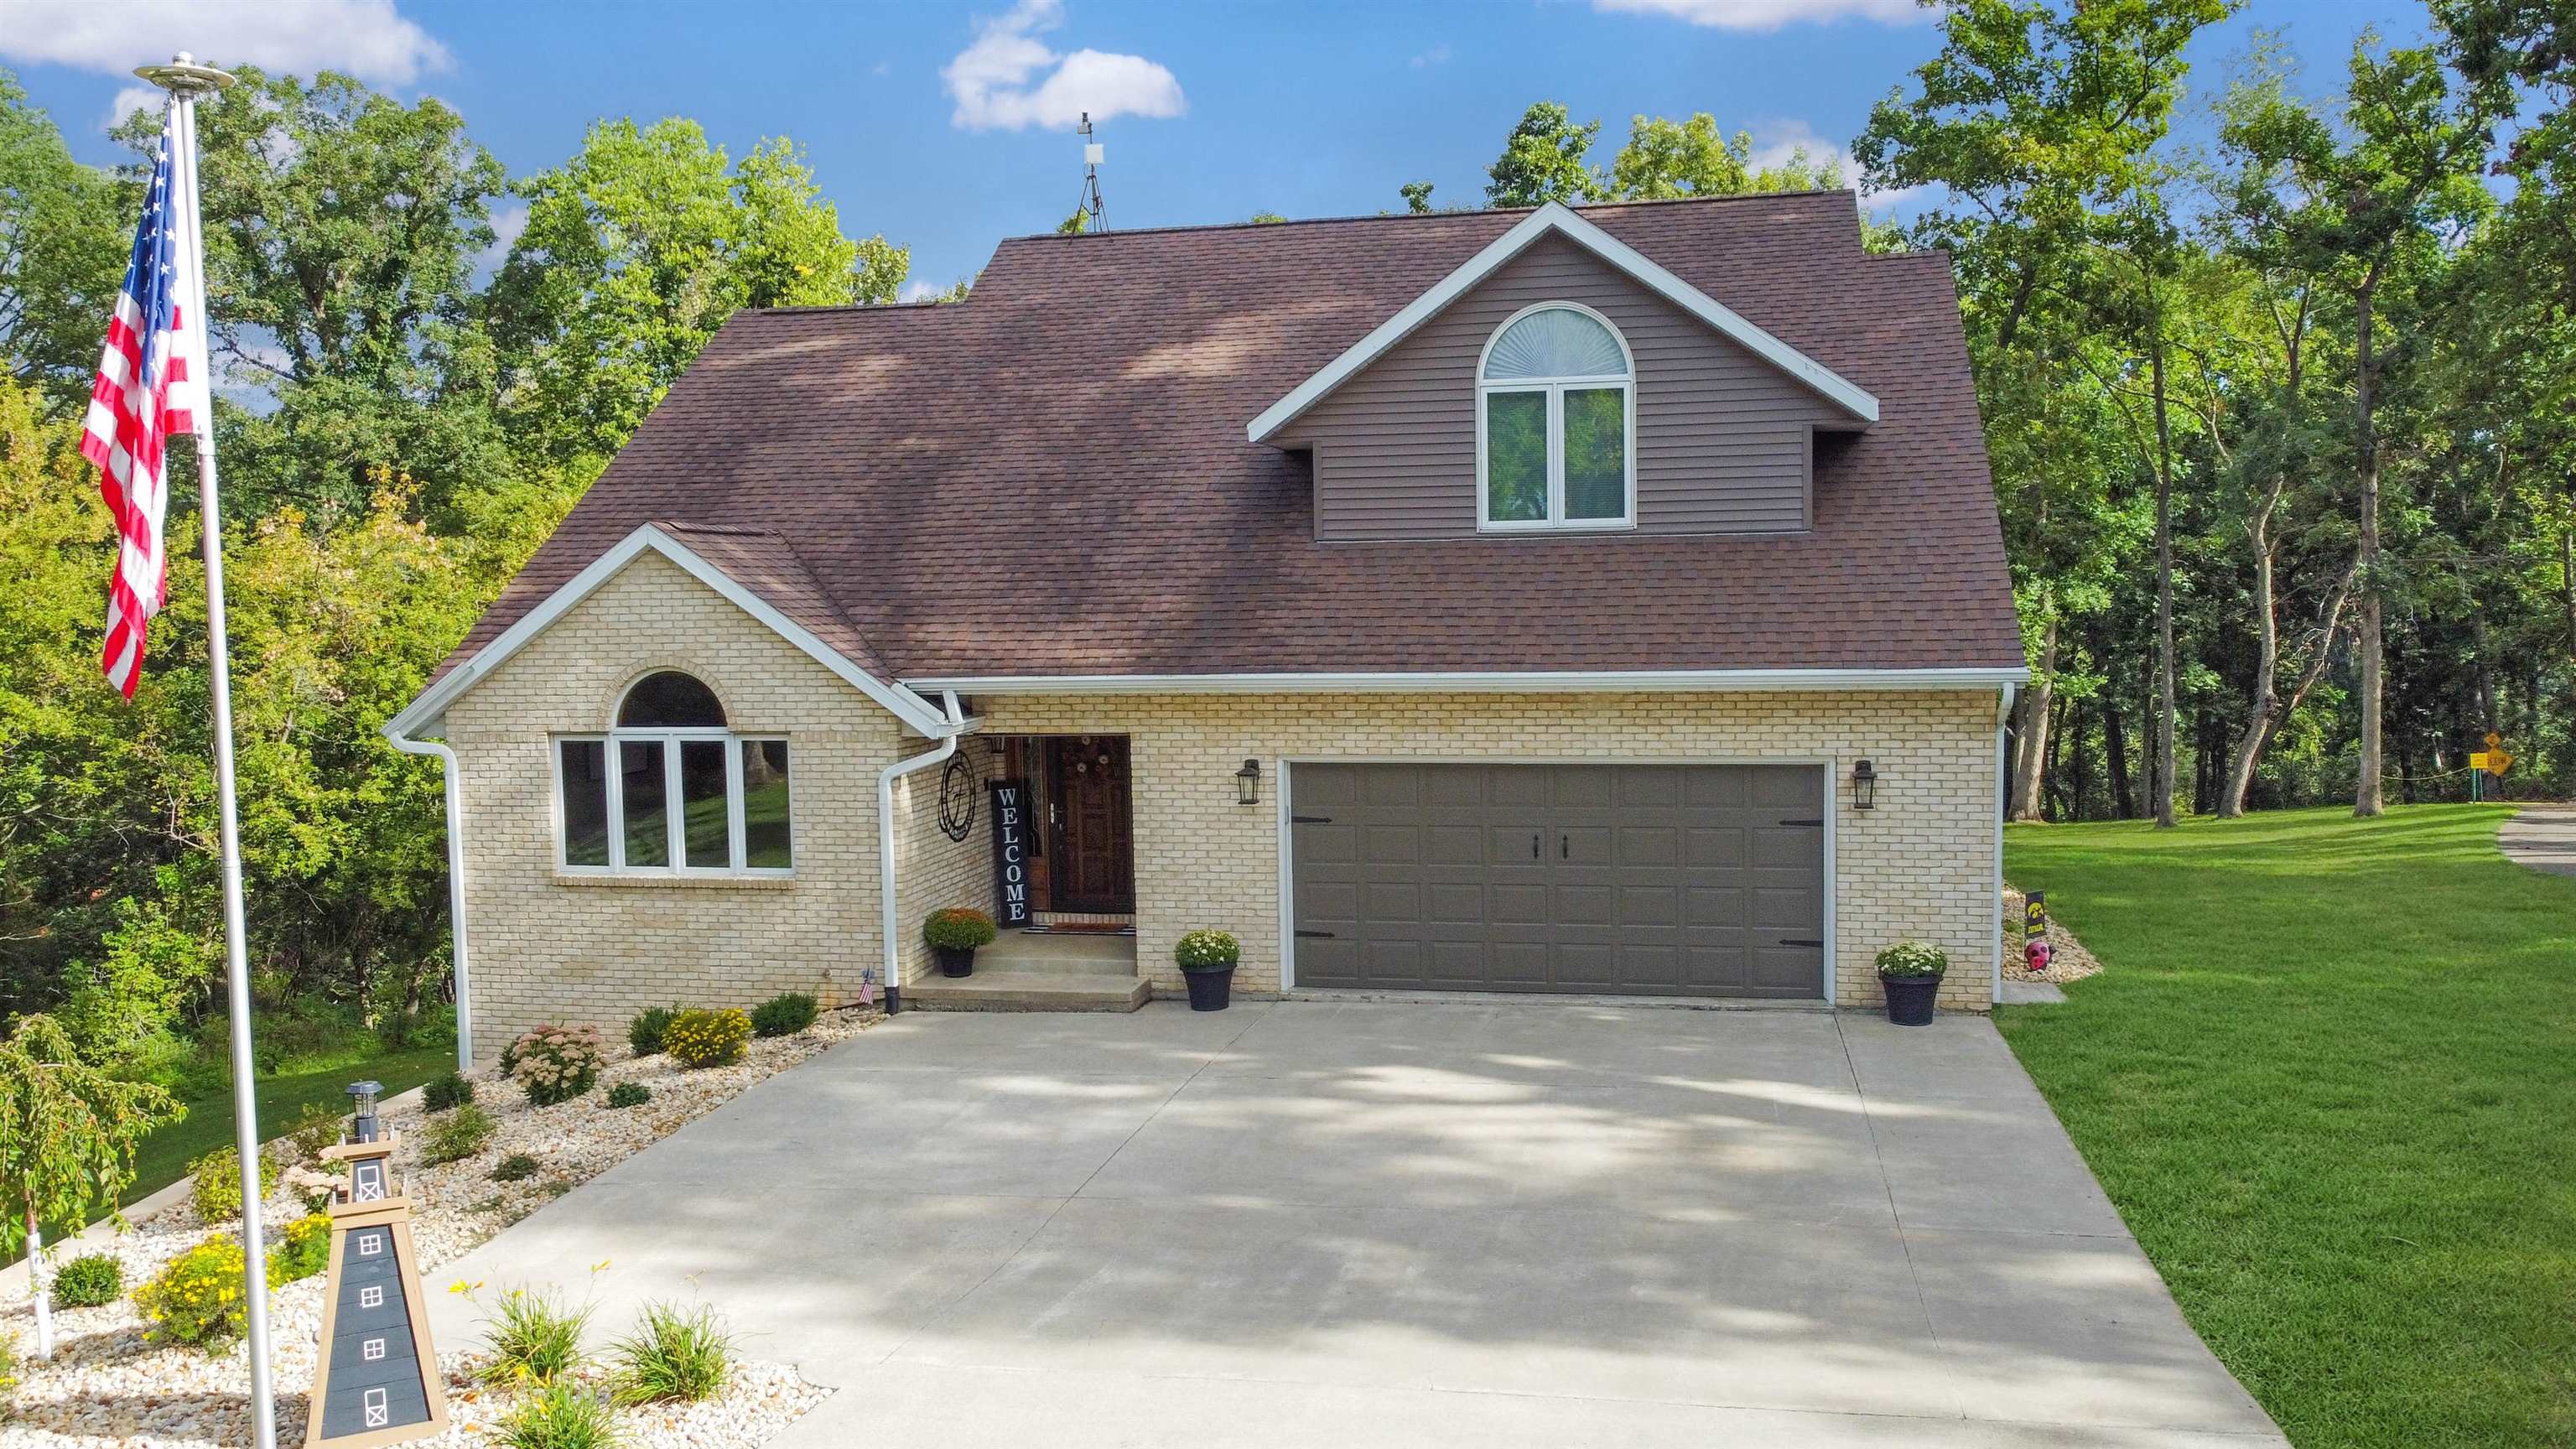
{"x":785,"y":1014}
{"x":673,"y":1355}
{"x":304,"y":1250}
{"x":556,"y":1063}
{"x":1206,"y":951}
{"x":317,"y":1127}
{"x":707,"y":1038}
{"x":517,"y":1167}
{"x":88,"y":1281}
{"x":533,"y":1340}
{"x":629,"y":1094}
{"x":196,"y":1299}
{"x":1912,"y":958}
{"x":216,"y":1183}
{"x":8,"y":1369}
{"x":959,"y":928}
{"x":644,"y":1033}
{"x":446,"y":1093}
{"x":565,"y":1416}
{"x":454,"y":1136}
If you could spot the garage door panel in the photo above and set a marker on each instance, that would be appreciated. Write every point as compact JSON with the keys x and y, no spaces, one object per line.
{"x":1653,"y":879}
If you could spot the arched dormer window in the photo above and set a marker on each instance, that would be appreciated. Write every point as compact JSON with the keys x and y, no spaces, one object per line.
{"x":1556,"y":408}
{"x":686,"y":795}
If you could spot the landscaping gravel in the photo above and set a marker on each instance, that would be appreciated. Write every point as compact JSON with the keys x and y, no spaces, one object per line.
{"x":2067,"y":958}
{"x":106,"y":1386}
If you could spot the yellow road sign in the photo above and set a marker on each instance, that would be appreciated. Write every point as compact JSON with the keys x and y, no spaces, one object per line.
{"x":2491,"y":761}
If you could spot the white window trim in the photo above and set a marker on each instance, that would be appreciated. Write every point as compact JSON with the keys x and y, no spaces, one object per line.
{"x":674,"y":824}
{"x":1555,"y":388}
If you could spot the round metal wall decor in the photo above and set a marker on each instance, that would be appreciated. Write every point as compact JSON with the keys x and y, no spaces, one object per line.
{"x":958,"y":787}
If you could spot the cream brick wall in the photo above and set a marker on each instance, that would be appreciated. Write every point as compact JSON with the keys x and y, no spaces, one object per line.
{"x":1921,"y":864}
{"x":551,"y":947}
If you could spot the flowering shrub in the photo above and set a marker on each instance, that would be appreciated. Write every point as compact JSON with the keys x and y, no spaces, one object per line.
{"x":556,"y":1063}
{"x":215,"y":1178}
{"x":1207,"y":951}
{"x":8,"y":1365}
{"x":959,"y":928}
{"x":304,"y":1250}
{"x":197,"y":1299}
{"x":707,"y":1038}
{"x":1912,"y":958}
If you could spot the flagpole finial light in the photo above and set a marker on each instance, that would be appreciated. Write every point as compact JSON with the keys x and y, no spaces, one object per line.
{"x":183,"y":76}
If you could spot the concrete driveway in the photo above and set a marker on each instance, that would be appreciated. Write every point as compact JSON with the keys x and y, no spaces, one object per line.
{"x":1302,"y":1224}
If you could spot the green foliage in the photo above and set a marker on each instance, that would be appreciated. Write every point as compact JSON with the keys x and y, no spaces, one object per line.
{"x":629,"y":1094}
{"x":68,"y":1131}
{"x":1911,"y":959}
{"x":215,"y":1179}
{"x":65,"y":230}
{"x":197,"y":1299}
{"x":785,"y":1014}
{"x":1417,"y":197}
{"x":700,"y":1038}
{"x":533,"y":1340}
{"x":644,"y":1033}
{"x":1664,"y":159}
{"x":517,"y":1167}
{"x":673,"y":1356}
{"x":446,"y":1092}
{"x":455,"y":1135}
{"x":555,"y":1063}
{"x":8,"y":1368}
{"x":560,"y":1416}
{"x":959,"y":928}
{"x":1542,"y":161}
{"x":303,"y":1250}
{"x":88,"y":1281}
{"x":1206,"y":951}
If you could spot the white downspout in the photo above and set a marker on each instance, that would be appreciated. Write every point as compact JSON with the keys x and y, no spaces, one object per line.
{"x":2003,"y":803}
{"x":455,"y":885}
{"x":885,"y":840}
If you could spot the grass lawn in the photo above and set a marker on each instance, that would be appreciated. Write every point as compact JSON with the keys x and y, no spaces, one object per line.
{"x":165,"y":1155}
{"x":2329,"y":1078}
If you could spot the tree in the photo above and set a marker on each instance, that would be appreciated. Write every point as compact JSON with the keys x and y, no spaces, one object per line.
{"x":1542,"y":161}
{"x":1664,"y":159}
{"x":63,"y":245}
{"x":68,"y":1133}
{"x":636,"y":251}
{"x":1417,"y":197}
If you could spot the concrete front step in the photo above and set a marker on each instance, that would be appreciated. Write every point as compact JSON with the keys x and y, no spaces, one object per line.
{"x":1058,"y":954}
{"x":1029,"y":991}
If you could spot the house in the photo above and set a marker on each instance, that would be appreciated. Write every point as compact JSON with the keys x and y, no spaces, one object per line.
{"x":1602,"y":601}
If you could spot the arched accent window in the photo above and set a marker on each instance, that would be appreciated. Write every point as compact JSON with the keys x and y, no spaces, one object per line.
{"x":686,"y":794}
{"x":1556,"y":409}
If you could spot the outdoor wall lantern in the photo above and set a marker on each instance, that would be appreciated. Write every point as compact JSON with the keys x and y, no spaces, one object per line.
{"x":1864,"y":786}
{"x":1247,"y":783}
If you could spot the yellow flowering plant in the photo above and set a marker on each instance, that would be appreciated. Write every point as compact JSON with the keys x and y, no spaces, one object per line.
{"x":198,"y":1298}
{"x":707,"y":1038}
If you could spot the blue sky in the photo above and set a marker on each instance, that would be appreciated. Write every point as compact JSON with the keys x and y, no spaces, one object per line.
{"x":945,"y":126}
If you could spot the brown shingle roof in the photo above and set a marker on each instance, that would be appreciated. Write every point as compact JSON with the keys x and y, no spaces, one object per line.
{"x":1052,"y":478}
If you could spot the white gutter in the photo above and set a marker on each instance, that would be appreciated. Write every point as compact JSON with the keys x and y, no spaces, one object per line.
{"x":2003,"y":803}
{"x":455,"y":884}
{"x":1578,"y":681}
{"x":949,"y":732}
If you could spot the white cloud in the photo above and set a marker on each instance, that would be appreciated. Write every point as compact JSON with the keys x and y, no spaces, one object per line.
{"x":509,"y":223}
{"x":367,"y":38}
{"x":917,"y":290}
{"x":129,"y":99}
{"x":1436,"y":55}
{"x":997,"y":83}
{"x":1770,"y":14}
{"x":1774,"y":142}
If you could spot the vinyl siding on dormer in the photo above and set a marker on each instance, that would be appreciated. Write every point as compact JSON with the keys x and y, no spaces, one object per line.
{"x":1722,"y":436}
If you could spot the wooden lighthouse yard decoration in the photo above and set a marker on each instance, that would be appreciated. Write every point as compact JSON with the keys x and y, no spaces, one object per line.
{"x":375,"y":1378}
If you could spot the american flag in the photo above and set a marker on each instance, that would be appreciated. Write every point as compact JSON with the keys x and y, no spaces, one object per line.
{"x":144,"y":396}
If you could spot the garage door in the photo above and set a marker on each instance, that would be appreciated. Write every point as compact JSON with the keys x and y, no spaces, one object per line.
{"x":1658,"y":880}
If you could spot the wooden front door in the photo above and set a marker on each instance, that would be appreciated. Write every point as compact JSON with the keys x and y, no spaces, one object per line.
{"x":1093,"y":870}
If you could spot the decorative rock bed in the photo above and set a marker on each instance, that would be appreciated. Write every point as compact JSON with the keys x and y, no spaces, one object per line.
{"x":2067,"y":959}
{"x":106,"y":1386}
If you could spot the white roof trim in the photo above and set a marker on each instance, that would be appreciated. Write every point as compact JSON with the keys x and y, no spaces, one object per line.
{"x":919,"y":714}
{"x":1582,"y":681}
{"x":1554,"y":217}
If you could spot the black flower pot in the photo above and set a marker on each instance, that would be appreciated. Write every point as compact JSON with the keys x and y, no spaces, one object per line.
{"x":1211,"y":989}
{"x":1909,"y":998}
{"x":955,"y":960}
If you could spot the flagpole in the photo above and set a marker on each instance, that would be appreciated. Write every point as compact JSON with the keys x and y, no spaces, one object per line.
{"x":185,"y":80}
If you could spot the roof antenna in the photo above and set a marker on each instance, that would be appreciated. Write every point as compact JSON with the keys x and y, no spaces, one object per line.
{"x":1092,"y":155}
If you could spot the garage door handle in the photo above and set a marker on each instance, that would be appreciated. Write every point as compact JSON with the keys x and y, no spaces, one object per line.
{"x":1564,"y":847}
{"x":1533,"y":845}
{"x":1310,"y":819}
{"x":1819,"y":820}
{"x":1798,"y":941}
{"x":1314,"y":935}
